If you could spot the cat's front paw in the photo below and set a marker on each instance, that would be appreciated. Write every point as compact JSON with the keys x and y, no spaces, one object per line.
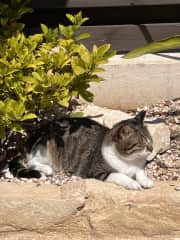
{"x":147,"y":183}
{"x":133,"y":185}
{"x":144,"y":180}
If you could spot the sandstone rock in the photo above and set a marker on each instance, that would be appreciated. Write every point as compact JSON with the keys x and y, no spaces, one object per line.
{"x":159,"y":130}
{"x":175,"y":132}
{"x":161,"y":137}
{"x":109,"y":117}
{"x":88,"y":209}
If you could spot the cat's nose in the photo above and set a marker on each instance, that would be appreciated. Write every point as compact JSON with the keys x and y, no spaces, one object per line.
{"x":149,"y":147}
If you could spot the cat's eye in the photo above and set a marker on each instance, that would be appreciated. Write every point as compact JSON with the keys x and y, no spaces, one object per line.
{"x":131,"y":146}
{"x":134,"y":148}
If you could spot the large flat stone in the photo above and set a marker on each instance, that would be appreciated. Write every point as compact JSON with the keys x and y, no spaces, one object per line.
{"x":132,"y":83}
{"x":88,"y":209}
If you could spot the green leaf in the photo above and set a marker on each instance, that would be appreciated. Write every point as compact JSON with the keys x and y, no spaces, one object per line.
{"x":76,"y":66}
{"x":64,"y":101}
{"x":75,"y":93}
{"x":1,"y":106}
{"x":103,"y":49}
{"x":9,"y":104}
{"x":31,"y":65}
{"x":87,"y":95}
{"x":83,"y":52}
{"x":94,"y":78}
{"x":165,"y":44}
{"x":65,"y":79}
{"x":14,"y":109}
{"x":70,"y":17}
{"x":19,"y":110}
{"x":3,"y":61}
{"x":82,"y":36}
{"x":69,"y":31}
{"x":44,"y":28}
{"x":39,"y":88}
{"x":99,"y":69}
{"x":94,"y":50}
{"x":84,"y":20}
{"x":78,"y":19}
{"x":36,"y":37}
{"x":16,"y":127}
{"x":110,"y":54}
{"x":29,"y":116}
{"x":78,"y":70}
{"x":76,"y":114}
{"x":36,"y":76}
{"x":25,"y":10}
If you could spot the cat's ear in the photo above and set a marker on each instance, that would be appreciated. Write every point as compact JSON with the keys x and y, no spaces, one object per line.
{"x":140,"y":116}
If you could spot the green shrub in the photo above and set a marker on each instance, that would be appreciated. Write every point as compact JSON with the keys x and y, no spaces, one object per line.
{"x":35,"y":75}
{"x":10,"y":12}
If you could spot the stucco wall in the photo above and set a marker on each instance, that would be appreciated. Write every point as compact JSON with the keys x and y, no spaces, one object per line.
{"x":138,"y":82}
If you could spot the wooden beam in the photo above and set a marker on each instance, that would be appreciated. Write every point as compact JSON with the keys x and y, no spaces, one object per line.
{"x":126,"y":37}
{"x":106,"y":16}
{"x":99,"y":3}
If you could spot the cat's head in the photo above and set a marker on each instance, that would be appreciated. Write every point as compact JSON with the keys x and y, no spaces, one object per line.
{"x":132,"y":139}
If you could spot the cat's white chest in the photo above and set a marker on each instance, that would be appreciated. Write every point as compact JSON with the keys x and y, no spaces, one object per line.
{"x":129,"y":170}
{"x":118,"y":163}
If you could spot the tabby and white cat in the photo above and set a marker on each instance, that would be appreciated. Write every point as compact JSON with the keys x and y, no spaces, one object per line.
{"x":83,"y":147}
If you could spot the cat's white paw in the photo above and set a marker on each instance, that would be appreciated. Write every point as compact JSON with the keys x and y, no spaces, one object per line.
{"x":144,"y":180}
{"x":124,"y":181}
{"x":147,"y":183}
{"x":133,"y":185}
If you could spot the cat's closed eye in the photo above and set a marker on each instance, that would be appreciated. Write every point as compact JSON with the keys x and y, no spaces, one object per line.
{"x":131,"y":146}
{"x":134,"y":148}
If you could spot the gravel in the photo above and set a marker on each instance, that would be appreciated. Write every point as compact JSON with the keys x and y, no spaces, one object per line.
{"x":165,"y":166}
{"x":58,"y":179}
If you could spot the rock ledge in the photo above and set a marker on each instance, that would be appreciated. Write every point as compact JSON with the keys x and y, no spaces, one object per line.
{"x":89,"y":209}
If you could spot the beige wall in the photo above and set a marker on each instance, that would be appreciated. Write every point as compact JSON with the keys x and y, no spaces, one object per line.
{"x":138,"y":82}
